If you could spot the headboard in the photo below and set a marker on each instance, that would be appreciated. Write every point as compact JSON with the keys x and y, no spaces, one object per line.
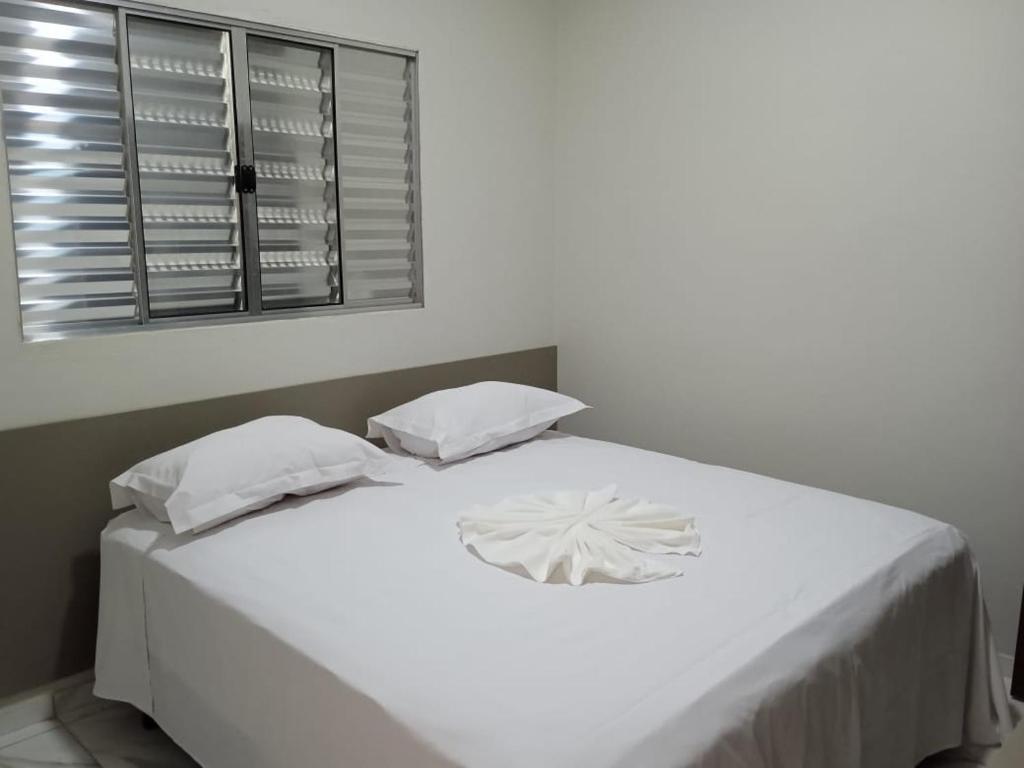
{"x":53,"y":488}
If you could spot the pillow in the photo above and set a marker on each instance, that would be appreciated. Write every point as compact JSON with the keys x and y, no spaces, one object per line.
{"x":452,"y":424}
{"x":226,"y":474}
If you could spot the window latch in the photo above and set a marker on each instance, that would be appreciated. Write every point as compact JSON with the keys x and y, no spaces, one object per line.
{"x":245,"y":178}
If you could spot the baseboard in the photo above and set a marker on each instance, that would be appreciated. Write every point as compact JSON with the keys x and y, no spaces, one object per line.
{"x":24,"y":709}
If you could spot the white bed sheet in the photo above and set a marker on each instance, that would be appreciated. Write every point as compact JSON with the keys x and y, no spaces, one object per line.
{"x":353,"y":629}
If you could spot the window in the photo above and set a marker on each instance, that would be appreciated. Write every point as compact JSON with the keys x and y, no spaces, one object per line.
{"x":168,"y":168}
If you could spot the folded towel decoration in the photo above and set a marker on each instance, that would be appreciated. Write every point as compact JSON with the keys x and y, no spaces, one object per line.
{"x":581,"y":535}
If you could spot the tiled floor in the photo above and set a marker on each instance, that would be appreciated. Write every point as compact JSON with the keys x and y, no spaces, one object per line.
{"x":91,"y":732}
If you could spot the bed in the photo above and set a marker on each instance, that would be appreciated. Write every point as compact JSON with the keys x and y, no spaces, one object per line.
{"x":352,"y":628}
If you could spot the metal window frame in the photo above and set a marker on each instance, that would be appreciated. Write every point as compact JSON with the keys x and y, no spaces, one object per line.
{"x":227,"y":22}
{"x":238,"y":30}
{"x":251,"y":148}
{"x":136,"y":227}
{"x":124,"y":15}
{"x":339,"y":172}
{"x":245,"y":154}
{"x":414,"y":63}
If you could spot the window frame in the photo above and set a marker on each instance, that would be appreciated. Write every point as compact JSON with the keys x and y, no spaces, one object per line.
{"x":238,"y":31}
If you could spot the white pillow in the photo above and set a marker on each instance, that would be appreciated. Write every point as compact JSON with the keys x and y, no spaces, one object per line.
{"x":451,"y":424}
{"x":226,"y":474}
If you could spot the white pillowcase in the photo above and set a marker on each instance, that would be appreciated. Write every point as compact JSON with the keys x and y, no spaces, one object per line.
{"x":452,"y":424}
{"x":226,"y":474}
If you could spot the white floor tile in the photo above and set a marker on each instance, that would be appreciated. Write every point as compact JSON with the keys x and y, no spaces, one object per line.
{"x":54,"y":747}
{"x":27,"y":732}
{"x":77,"y":702}
{"x":15,"y":715}
{"x":116,"y":738}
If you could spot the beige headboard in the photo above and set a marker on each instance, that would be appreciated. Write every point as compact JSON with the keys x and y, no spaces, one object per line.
{"x":53,"y":488}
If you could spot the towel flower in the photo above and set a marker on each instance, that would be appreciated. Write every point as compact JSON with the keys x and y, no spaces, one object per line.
{"x":580,"y":536}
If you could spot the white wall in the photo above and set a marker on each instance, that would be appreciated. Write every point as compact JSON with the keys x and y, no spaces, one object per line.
{"x":486,"y":123}
{"x":792,"y":241}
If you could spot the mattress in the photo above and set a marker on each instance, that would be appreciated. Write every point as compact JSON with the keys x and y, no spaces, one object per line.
{"x":352,"y":628}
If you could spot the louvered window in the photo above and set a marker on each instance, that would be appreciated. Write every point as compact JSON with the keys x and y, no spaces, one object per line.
{"x":168,"y":167}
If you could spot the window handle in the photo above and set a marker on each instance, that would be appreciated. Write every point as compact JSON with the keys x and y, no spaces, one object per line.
{"x":245,"y":179}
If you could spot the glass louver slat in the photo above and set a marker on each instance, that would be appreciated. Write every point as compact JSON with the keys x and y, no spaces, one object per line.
{"x":376,"y":141}
{"x":62,"y":127}
{"x":292,"y":101}
{"x":185,"y":139}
